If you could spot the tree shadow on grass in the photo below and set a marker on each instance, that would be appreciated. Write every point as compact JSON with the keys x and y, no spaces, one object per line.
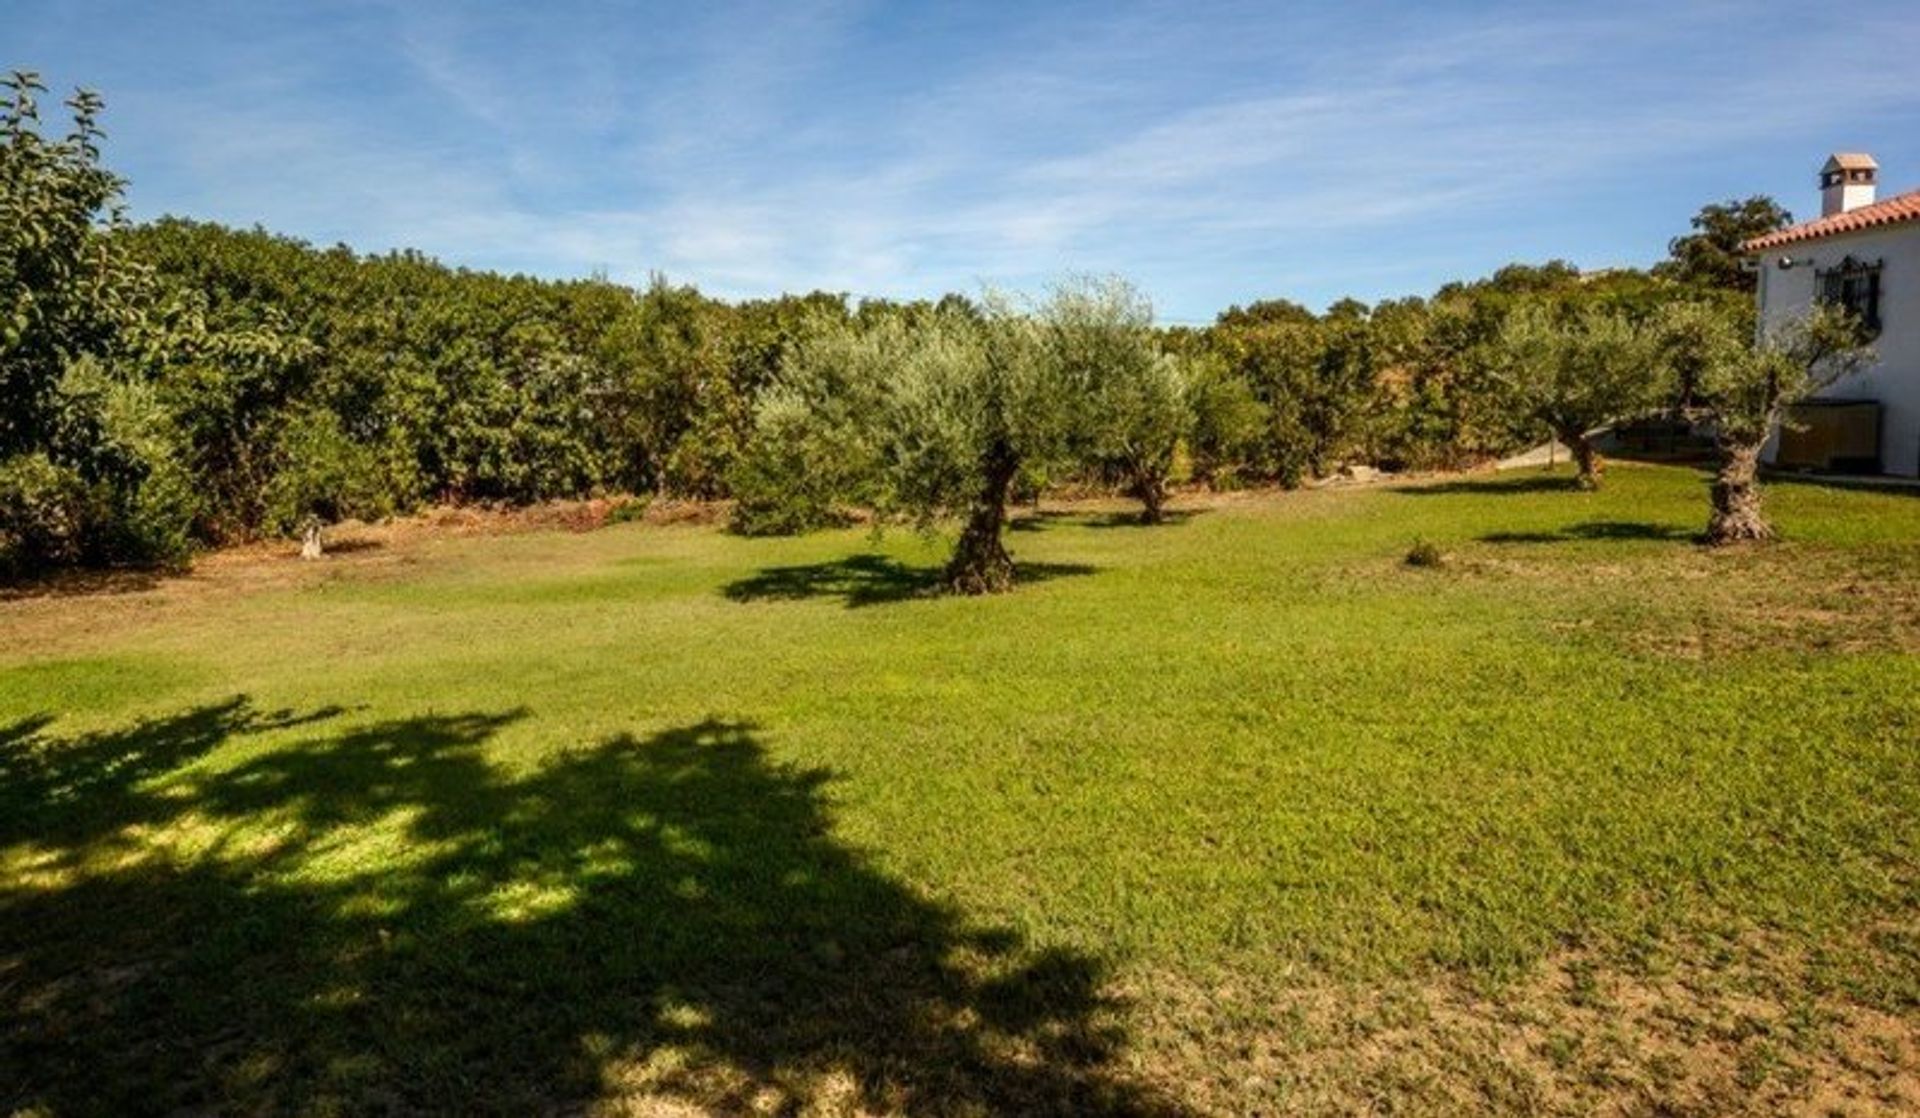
{"x":383,"y":920}
{"x":1038,"y":520}
{"x":351,"y":545}
{"x":869,"y":580}
{"x":1596,"y":530}
{"x":1041,"y":521}
{"x":1494,"y":487}
{"x":82,"y":583}
{"x":1168,"y":518}
{"x":66,"y":789}
{"x":1891,"y":487}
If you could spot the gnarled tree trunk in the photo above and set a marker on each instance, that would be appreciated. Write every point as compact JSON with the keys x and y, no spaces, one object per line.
{"x":1737,"y":517}
{"x":1586,"y":458}
{"x":980,"y":563}
{"x":1150,"y":488}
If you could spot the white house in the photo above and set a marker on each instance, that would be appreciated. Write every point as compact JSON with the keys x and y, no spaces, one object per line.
{"x":1864,"y":255}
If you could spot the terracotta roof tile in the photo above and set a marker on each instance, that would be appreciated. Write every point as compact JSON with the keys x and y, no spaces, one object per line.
{"x":1900,"y":208}
{"x":1851,"y":161}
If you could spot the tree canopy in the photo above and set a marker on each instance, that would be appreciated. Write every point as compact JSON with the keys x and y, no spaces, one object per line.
{"x":1710,"y":256}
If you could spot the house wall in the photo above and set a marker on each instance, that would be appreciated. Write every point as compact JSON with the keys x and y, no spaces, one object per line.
{"x":1894,"y":380}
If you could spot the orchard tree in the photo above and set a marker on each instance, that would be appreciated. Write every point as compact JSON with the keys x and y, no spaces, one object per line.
{"x":1577,"y":371}
{"x":1313,"y":379}
{"x":1142,"y":415}
{"x":927,"y":416}
{"x":815,"y":444}
{"x":1748,"y":380}
{"x":86,"y":469}
{"x":972,"y":401}
{"x":1099,"y":333}
{"x":1227,"y":418}
{"x":64,"y":292}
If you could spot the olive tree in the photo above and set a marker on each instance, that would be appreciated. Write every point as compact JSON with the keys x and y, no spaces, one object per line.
{"x":943,"y":411}
{"x":1578,"y":371}
{"x":971,"y":401}
{"x":924,"y":417}
{"x":1098,"y":334}
{"x":1747,"y":381}
{"x":815,"y":445}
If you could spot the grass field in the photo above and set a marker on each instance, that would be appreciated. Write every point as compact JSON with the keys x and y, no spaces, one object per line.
{"x":1236,"y":814}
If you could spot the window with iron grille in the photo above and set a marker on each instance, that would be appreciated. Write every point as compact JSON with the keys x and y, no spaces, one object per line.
{"x":1854,"y":286}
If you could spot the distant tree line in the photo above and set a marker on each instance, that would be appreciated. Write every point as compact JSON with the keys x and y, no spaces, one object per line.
{"x":178,"y":384}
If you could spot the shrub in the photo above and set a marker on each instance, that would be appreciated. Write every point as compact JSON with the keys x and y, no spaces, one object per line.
{"x":325,"y":476}
{"x":51,"y":516}
{"x":629,"y":511}
{"x":1425,"y":553}
{"x":43,"y":515}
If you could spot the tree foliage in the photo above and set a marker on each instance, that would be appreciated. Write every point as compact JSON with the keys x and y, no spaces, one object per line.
{"x":1575,"y":372}
{"x":87,"y":473}
{"x":926,"y":413}
{"x":1100,"y":335}
{"x":1747,"y":381}
{"x":1710,"y":257}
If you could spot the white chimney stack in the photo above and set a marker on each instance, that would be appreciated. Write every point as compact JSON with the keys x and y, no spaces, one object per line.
{"x":1846,"y":182}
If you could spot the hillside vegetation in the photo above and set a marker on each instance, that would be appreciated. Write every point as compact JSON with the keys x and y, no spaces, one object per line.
{"x":178,"y":385}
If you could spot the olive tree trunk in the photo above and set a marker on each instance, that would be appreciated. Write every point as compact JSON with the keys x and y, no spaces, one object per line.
{"x":310,"y":546}
{"x":1586,"y":457}
{"x":1150,"y":488}
{"x":980,"y":563}
{"x":1737,"y":517}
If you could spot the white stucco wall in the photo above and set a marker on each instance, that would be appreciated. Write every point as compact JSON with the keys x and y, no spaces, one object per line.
{"x":1846,"y":196}
{"x":1895,"y":379}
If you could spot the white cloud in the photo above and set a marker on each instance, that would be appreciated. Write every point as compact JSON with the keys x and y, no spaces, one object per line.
{"x":753,"y":154}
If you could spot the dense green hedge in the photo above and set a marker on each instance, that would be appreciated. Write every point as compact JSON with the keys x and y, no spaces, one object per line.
{"x":180,"y":383}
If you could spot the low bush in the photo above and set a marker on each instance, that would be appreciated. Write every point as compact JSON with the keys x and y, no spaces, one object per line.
{"x":1425,"y":553}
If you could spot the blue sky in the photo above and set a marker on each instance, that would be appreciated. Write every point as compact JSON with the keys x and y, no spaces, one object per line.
{"x":1215,"y":153}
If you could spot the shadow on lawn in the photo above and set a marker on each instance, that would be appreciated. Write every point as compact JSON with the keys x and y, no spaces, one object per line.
{"x":1045,"y":519}
{"x":68,"y":791}
{"x":79,"y":584}
{"x":1596,"y":530}
{"x":868,"y":580}
{"x":1493,"y":487}
{"x":1889,"y":487}
{"x":409,"y":928}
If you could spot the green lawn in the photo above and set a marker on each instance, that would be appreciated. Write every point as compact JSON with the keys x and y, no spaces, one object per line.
{"x":1239,"y":813}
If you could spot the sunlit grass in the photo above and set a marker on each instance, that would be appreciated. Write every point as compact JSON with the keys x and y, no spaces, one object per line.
{"x":1252,"y":751}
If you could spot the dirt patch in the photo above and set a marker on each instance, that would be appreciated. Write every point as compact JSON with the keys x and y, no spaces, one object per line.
{"x":1699,"y":603}
{"x":1751,"y":1031}
{"x":69,"y":609}
{"x":1805,"y":598}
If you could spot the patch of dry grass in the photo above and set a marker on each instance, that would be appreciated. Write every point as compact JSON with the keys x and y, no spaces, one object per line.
{"x":1706,"y":1028}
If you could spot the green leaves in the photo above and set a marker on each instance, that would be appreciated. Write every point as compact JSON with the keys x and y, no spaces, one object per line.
{"x":1710,"y":258}
{"x":1575,"y":370}
{"x":1743,"y":381}
{"x":90,"y":474}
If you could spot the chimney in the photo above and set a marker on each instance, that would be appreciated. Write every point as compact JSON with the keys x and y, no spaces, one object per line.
{"x":1846,"y":182}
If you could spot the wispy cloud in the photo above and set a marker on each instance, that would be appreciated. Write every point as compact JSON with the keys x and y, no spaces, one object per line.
{"x":1216,"y":153}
